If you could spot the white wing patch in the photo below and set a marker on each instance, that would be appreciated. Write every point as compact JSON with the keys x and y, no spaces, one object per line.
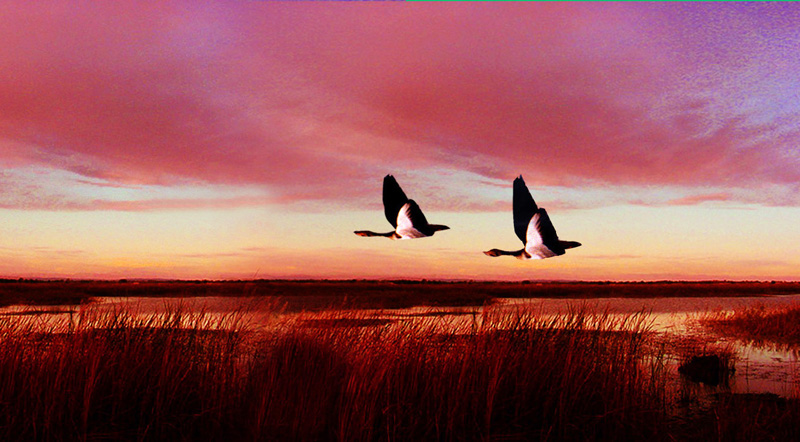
{"x":535,"y":243}
{"x":405,"y":228}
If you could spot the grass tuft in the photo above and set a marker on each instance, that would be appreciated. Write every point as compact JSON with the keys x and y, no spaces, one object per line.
{"x":779,"y":326}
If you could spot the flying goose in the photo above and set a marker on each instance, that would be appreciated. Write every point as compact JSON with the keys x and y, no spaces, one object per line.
{"x":534,"y":228}
{"x":404,"y":215}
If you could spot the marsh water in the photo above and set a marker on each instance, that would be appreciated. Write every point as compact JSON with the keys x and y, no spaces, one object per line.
{"x":672,"y":319}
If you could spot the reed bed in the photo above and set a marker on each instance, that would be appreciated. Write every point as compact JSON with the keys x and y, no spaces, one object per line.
{"x":496,"y":375}
{"x":508,"y":375}
{"x":114,"y":375}
{"x":759,"y":325}
{"x":744,"y":417}
{"x":117,"y":376}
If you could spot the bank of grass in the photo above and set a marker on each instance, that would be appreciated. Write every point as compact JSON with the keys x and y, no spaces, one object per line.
{"x":499,"y":375}
{"x":777,"y":326}
{"x":510,"y":376}
{"x":115,"y":376}
{"x":746,"y":417}
{"x":370,"y":294}
{"x":182,"y":376}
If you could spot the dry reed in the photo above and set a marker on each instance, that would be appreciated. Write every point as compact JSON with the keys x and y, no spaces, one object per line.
{"x":759,"y":325}
{"x":496,"y":375}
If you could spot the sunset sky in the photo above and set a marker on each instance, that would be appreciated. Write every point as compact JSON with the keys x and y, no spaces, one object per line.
{"x":250,"y":139}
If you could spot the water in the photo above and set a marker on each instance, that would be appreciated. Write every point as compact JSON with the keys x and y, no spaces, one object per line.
{"x":758,"y":370}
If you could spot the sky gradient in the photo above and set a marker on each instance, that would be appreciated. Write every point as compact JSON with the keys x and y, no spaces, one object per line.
{"x":249,"y":140}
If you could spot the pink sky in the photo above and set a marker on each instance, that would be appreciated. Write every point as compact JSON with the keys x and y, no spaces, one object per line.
{"x":250,"y":139}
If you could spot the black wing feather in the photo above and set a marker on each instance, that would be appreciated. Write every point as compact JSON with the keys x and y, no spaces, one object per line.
{"x":418,"y":218}
{"x":524,"y":208}
{"x":548,"y":233}
{"x":393,"y":199}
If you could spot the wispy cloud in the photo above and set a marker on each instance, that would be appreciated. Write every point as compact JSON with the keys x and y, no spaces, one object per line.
{"x":699,"y":199}
{"x":313,"y":101}
{"x":613,"y":257}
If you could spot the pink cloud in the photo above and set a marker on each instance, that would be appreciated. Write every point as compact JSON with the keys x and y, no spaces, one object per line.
{"x":134,"y":100}
{"x":58,"y":202}
{"x":312,"y":101}
{"x":591,"y":101}
{"x":699,"y":199}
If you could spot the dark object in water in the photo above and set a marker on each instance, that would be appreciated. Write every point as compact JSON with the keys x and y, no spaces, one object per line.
{"x":706,"y":369}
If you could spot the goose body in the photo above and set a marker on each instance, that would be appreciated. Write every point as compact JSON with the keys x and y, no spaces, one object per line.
{"x":403,"y":214}
{"x":534,"y":229}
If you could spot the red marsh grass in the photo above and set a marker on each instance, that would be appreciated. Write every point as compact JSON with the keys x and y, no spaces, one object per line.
{"x":181,"y":376}
{"x":778,"y":326}
{"x":745,"y":417}
{"x":114,"y":376}
{"x":514,"y":377}
{"x":498,"y":375}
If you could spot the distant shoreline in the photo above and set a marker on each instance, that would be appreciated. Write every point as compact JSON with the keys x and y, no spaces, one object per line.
{"x":404,"y":281}
{"x":320,"y":294}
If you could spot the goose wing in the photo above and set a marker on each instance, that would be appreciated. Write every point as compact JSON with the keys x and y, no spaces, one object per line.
{"x":542,"y":240}
{"x":393,"y":199}
{"x":524,"y":209}
{"x":411,"y":223}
